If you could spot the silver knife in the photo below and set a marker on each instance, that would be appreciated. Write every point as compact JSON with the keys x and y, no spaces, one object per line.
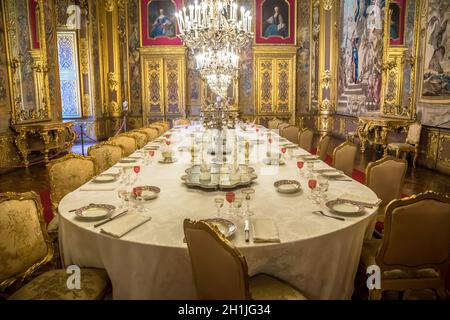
{"x":247,"y":230}
{"x":110,"y":219}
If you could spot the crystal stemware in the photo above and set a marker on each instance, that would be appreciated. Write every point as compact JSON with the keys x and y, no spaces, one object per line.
{"x":219,"y":204}
{"x":300,"y":165}
{"x":248,"y":195}
{"x":230,"y":197}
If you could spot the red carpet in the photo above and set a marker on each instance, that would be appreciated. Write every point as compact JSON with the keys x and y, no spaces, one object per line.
{"x":46,"y":204}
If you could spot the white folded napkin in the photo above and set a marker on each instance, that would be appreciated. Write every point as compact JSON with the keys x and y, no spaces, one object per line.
{"x":360,"y":198}
{"x":120,"y":227}
{"x":264,"y":230}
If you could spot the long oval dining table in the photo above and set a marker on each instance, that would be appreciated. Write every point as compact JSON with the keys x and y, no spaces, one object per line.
{"x":316,"y":254}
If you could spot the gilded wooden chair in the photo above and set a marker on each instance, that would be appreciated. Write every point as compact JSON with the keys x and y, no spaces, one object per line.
{"x":344,"y":157}
{"x":414,"y":252}
{"x":105,"y":155}
{"x":411,"y":144}
{"x":291,"y":133}
{"x":141,"y":138}
{"x":25,"y":247}
{"x":181,"y":122}
{"x":221,"y":273}
{"x":282,"y":126}
{"x":385,"y":177}
{"x":305,"y":139}
{"x":274,"y":123}
{"x":322,"y":148}
{"x":158,"y":127}
{"x":151,"y":133}
{"x":126,"y":141}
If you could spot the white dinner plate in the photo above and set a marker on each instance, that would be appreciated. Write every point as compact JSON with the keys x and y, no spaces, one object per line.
{"x":332,"y":174}
{"x":344,"y":207}
{"x":94,"y":212}
{"x":127,"y":160}
{"x":105,"y":178}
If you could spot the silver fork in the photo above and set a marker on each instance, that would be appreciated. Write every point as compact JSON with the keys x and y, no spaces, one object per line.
{"x":325,"y":215}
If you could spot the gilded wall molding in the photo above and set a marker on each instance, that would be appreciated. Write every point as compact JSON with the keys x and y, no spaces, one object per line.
{"x":328,"y":4}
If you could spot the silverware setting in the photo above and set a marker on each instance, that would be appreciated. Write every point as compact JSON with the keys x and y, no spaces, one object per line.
{"x":111,"y":219}
{"x":361,"y":203}
{"x":73,"y":210}
{"x":325,"y":215}
{"x":247,"y":230}
{"x":340,"y":179}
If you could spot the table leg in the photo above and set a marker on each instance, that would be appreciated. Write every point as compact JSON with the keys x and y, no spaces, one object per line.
{"x":21,"y":143}
{"x":46,"y":139}
{"x":384,"y":134}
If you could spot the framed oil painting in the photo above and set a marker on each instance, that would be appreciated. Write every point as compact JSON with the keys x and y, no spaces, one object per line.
{"x":158,"y":22}
{"x":397,"y":11}
{"x":435,"y":70}
{"x":33,"y":19}
{"x":275,"y":22}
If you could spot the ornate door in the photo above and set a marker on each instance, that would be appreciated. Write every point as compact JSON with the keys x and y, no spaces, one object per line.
{"x":163,"y":83}
{"x":275,"y":83}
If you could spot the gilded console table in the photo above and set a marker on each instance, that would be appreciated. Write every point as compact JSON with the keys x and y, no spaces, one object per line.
{"x":374,"y":130}
{"x":43,"y":137}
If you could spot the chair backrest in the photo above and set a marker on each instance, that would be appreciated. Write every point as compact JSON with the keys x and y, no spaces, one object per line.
{"x":414,"y":131}
{"x":181,"y":122}
{"x":273,"y":123}
{"x":220,"y":271}
{"x":127,"y":142}
{"x":105,"y":155}
{"x":152,"y":133}
{"x":322,"y":148}
{"x":67,"y":174}
{"x":305,"y":138}
{"x":417,"y":233}
{"x":291,"y":133}
{"x":158,"y":127}
{"x":141,"y":138}
{"x":282,"y":126}
{"x":24,"y":242}
{"x":344,"y":157}
{"x":385,"y":177}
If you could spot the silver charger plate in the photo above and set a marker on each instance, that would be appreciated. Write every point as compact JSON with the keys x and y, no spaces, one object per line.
{"x":152,"y":193}
{"x":94,"y":212}
{"x":127,"y":160}
{"x":287,"y":186}
{"x":344,"y":207}
{"x":226,"y":227}
{"x":105,"y":178}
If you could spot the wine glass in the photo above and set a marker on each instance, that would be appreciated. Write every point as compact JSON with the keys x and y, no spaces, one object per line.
{"x":122,"y":194}
{"x":310,"y":167}
{"x":300,"y":165}
{"x":126,"y":175}
{"x":219,"y":204}
{"x":323,"y":187}
{"x":249,"y":193}
{"x":312,"y":184}
{"x":283,"y":150}
{"x":136,"y":170}
{"x":237,"y":205}
{"x":151,"y":154}
{"x":230,"y":197}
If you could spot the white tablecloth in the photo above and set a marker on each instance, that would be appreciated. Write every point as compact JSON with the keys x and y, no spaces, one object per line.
{"x":318,"y":255}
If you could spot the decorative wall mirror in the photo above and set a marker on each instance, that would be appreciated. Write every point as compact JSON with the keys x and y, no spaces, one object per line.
{"x":400,"y":58}
{"x":27,"y":60}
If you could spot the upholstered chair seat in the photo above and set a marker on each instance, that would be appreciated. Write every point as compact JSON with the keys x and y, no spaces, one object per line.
{"x":291,"y":133}
{"x":221,"y":272}
{"x":415,"y":249}
{"x":344,"y":157}
{"x":305,"y":138}
{"x":141,"y":138}
{"x":265,"y":287}
{"x":52,"y":285}
{"x":105,"y":155}
{"x":411,"y":144}
{"x":25,"y":248}
{"x":127,"y":142}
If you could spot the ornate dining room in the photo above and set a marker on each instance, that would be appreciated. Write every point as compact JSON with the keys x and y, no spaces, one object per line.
{"x":225,"y":150}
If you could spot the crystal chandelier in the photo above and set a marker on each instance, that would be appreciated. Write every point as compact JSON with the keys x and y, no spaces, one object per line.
{"x":218,"y":68}
{"x":215,"y":24}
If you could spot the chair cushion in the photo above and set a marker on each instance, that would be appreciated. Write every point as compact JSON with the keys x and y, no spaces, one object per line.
{"x":401,"y":146}
{"x":52,"y":285}
{"x":265,"y":287}
{"x":368,"y":254}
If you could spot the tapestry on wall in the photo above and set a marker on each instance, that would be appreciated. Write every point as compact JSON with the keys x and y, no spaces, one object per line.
{"x":360,"y":56}
{"x":435,"y":80}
